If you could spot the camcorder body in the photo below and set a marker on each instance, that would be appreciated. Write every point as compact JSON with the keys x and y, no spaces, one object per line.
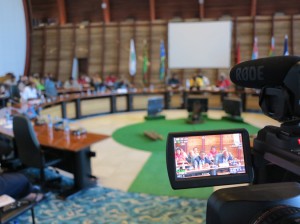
{"x":271,"y":166}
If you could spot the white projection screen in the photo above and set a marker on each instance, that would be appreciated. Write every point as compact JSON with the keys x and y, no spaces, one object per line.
{"x":13,"y":37}
{"x":200,"y":44}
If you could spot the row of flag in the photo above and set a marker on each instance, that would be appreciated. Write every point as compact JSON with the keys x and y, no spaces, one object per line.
{"x":146,"y":62}
{"x":255,"y":49}
{"x":162,"y":69}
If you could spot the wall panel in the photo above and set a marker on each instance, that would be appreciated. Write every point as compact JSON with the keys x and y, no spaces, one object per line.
{"x":111,"y":54}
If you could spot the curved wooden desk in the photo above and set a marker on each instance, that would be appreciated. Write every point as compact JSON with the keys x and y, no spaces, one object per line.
{"x":74,"y":150}
{"x":79,"y":98}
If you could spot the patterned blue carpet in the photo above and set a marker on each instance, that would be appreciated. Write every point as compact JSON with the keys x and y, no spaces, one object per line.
{"x":103,"y":205}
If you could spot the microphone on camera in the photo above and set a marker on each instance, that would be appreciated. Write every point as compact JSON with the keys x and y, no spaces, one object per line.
{"x":262,"y":72}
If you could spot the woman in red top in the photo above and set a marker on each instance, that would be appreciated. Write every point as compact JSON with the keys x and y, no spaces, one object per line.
{"x":179,"y":156}
{"x":223,"y":82}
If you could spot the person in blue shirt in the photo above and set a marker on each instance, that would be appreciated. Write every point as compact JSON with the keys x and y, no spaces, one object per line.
{"x":16,"y":185}
{"x":204,"y":161}
{"x":50,"y":87}
{"x":174,"y":82}
{"x":224,"y":158}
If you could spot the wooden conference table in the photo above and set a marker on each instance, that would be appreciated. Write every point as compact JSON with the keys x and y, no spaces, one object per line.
{"x":74,"y":150}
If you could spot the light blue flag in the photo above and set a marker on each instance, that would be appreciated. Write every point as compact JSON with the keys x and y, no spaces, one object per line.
{"x":132,"y":59}
{"x":75,"y":69}
{"x":255,"y":49}
{"x":286,"y":46}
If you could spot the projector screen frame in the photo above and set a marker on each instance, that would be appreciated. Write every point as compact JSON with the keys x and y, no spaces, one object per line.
{"x":184,"y":48}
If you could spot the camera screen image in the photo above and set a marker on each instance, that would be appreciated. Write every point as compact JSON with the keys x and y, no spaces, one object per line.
{"x":193,"y":159}
{"x":208,"y":158}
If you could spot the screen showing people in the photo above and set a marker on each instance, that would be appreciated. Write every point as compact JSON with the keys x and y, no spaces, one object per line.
{"x":209,"y":155}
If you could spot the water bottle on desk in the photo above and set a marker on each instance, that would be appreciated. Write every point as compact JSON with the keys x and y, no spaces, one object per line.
{"x":43,"y":99}
{"x":7,"y":117}
{"x":66,"y":125}
{"x":50,"y":123}
{"x":88,"y":92}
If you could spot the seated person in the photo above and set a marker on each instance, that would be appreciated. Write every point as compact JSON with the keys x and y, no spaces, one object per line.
{"x":174,"y":82}
{"x":224,"y":158}
{"x":84,"y":81}
{"x":4,"y":93}
{"x":50,"y":87}
{"x":212,"y":153}
{"x":36,"y":79}
{"x":206,"y":81}
{"x":193,"y":158}
{"x":204,"y":162}
{"x":29,"y":93}
{"x":122,"y":83}
{"x":223,"y":82}
{"x":22,"y":83}
{"x":110,"y":81}
{"x":71,"y":83}
{"x":16,"y":185}
{"x":195,"y":83}
{"x":179,"y":156}
{"x":7,"y":76}
{"x":97,"y":82}
{"x":11,"y":81}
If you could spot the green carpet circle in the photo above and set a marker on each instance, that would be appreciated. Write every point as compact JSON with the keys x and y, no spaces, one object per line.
{"x":153,"y":178}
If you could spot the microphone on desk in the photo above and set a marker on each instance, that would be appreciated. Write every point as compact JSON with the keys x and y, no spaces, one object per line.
{"x":258,"y":73}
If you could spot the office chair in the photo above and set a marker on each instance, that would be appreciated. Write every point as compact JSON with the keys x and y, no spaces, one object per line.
{"x":7,"y":155}
{"x":29,"y":149}
{"x":14,"y":93}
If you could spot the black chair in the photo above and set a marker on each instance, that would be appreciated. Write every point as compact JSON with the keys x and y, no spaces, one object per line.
{"x":7,"y":154}
{"x":14,"y":93}
{"x":29,"y":149}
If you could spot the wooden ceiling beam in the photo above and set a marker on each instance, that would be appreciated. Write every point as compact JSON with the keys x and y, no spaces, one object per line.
{"x":152,"y":10}
{"x":61,"y":5}
{"x":106,"y":10}
{"x":253,"y":7}
{"x":201,"y":9}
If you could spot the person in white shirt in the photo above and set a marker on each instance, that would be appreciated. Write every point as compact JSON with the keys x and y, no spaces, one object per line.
{"x":72,"y":84}
{"x":11,"y":81}
{"x":29,"y":92}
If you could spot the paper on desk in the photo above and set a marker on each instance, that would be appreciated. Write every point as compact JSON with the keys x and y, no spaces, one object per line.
{"x":2,"y":121}
{"x":8,"y":126}
{"x":6,"y":200}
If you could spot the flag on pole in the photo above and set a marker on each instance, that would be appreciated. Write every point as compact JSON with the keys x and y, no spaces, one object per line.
{"x":255,"y":49}
{"x":272,"y":47}
{"x":286,"y":46}
{"x":145,"y":63}
{"x":132,"y":59}
{"x":238,"y":53}
{"x":162,"y":61}
{"x":75,"y":69}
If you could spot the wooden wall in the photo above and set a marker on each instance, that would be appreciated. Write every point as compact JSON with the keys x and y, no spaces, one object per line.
{"x":78,"y":11}
{"x":44,"y":10}
{"x":106,"y":46}
{"x":120,"y":10}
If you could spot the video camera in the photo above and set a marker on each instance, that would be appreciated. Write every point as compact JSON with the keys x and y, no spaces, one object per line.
{"x":271,"y":167}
